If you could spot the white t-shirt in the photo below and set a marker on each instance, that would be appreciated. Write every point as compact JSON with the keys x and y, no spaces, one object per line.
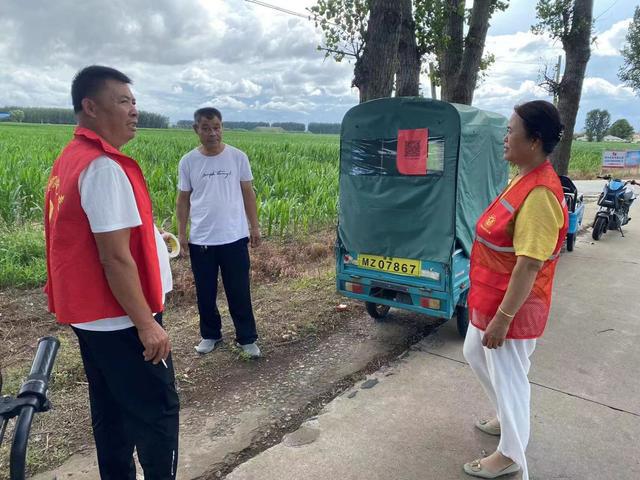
{"x":217,"y":209}
{"x":107,"y":198}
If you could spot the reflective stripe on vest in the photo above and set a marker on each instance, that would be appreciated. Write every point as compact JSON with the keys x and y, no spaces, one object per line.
{"x":495,"y":247}
{"x":507,"y":205}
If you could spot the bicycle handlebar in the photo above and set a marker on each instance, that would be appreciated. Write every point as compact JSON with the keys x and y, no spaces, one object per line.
{"x":38,"y":379}
{"x":33,"y":394}
{"x":609,"y":177}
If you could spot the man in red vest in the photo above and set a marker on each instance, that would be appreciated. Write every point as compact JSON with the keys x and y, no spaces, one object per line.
{"x":107,"y":273}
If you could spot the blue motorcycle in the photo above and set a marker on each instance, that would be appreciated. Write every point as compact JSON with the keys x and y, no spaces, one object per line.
{"x":614,"y":201}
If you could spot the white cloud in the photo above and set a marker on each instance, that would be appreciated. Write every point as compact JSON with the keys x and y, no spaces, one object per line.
{"x":502,"y":98}
{"x":225,"y":102}
{"x":207,"y":81}
{"x":599,"y":86}
{"x":610,"y":42}
{"x":283,"y":106}
{"x":254,"y":62}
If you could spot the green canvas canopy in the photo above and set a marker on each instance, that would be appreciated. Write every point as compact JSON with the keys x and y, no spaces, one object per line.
{"x":415,"y":175}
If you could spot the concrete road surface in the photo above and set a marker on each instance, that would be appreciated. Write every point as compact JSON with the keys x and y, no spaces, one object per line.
{"x":414,"y":419}
{"x":592,"y":188}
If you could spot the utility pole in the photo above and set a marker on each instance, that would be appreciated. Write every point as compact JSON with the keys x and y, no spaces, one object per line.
{"x":555,"y":91}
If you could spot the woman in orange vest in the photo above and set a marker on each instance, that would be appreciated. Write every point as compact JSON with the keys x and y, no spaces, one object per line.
{"x":513,"y":260}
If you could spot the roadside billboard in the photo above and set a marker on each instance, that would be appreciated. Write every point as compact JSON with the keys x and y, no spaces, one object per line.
{"x":613,"y":158}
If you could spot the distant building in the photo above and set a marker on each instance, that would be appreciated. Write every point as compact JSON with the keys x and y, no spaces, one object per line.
{"x":636,"y":138}
{"x":4,"y":116}
{"x":613,"y":138}
{"x":582,"y":138}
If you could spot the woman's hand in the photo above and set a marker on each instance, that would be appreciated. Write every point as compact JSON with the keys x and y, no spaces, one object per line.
{"x":496,"y":331}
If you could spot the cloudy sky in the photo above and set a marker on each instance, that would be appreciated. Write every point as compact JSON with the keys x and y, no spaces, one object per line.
{"x":256,"y":63}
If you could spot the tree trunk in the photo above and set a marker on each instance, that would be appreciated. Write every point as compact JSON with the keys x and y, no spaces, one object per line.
{"x":577,"y":49}
{"x":461,"y":61}
{"x":375,"y":69}
{"x":473,"y":49}
{"x":408,"y":74}
{"x":451,"y":58}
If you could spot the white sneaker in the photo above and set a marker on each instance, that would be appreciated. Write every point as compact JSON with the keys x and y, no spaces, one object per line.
{"x":251,"y":349}
{"x":207,"y":345}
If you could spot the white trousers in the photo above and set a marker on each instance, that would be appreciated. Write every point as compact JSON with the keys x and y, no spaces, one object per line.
{"x":503,"y":375}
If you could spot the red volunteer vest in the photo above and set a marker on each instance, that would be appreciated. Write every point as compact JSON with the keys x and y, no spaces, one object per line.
{"x":493,"y":259}
{"x":77,"y":288}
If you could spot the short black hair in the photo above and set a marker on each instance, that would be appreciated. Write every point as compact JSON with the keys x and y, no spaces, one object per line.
{"x":206,"y":112}
{"x":541,"y":120}
{"x":89,"y":81}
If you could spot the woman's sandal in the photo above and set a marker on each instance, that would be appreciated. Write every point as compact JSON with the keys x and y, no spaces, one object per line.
{"x":475,"y":469}
{"x":484,"y":426}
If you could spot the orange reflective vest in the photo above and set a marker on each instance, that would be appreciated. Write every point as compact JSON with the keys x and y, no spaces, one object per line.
{"x":77,"y":287}
{"x":493,"y":259}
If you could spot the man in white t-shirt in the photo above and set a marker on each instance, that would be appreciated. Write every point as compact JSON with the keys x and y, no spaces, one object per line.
{"x":108,"y":270}
{"x":215,"y":192}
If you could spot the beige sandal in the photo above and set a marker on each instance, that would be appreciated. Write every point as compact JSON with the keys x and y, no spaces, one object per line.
{"x":475,"y":469}
{"x":484,"y":426}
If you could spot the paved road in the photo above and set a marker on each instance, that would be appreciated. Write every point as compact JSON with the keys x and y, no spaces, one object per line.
{"x":413,"y":420}
{"x":592,"y":188}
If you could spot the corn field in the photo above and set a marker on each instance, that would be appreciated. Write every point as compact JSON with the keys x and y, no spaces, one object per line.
{"x":295,"y":174}
{"x":295,"y":177}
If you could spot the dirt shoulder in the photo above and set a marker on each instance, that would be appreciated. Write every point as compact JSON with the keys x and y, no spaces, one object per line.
{"x":231,"y":408}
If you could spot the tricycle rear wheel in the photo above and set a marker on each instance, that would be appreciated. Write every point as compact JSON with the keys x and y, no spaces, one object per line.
{"x":571,"y":240}
{"x":377,"y":310}
{"x":462,"y":320}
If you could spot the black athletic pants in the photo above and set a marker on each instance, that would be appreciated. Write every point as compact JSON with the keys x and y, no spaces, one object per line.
{"x":133,"y":404}
{"x":232,"y":259}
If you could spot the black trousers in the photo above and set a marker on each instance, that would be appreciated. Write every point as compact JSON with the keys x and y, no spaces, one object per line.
{"x":133,"y":404}
{"x":232,"y":260}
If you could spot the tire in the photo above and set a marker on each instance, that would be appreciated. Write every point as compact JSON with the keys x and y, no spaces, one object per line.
{"x":377,"y":310}
{"x":599,"y":227}
{"x":462,"y":320}
{"x":571,"y":240}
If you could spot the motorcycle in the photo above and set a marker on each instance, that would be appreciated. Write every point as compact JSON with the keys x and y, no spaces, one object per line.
{"x":614,"y":201}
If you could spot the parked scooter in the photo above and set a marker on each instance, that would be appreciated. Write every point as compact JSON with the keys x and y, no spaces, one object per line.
{"x":615,"y":200}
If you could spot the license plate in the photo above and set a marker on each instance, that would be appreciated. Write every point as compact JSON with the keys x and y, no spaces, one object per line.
{"x":399,"y":266}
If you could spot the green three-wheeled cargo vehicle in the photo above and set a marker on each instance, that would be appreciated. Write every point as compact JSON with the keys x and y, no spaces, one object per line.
{"x":415,"y":175}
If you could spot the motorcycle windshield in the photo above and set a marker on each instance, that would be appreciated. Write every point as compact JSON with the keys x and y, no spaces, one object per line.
{"x":615,"y":185}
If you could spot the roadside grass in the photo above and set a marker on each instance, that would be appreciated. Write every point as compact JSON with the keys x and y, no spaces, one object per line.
{"x":22,"y":255}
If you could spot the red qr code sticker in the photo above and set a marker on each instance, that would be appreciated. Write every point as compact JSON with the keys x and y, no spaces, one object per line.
{"x":413,"y":151}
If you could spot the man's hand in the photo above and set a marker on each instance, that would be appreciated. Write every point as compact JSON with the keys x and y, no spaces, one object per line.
{"x":496,"y":331}
{"x":254,"y":237}
{"x":155,"y":341}
{"x":184,"y":245}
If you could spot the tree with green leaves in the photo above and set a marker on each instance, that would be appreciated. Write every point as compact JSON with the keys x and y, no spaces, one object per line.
{"x":16,"y":115}
{"x":571,"y":22}
{"x":597,"y":124}
{"x":435,"y":30}
{"x":629,"y":73}
{"x":622,"y":129}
